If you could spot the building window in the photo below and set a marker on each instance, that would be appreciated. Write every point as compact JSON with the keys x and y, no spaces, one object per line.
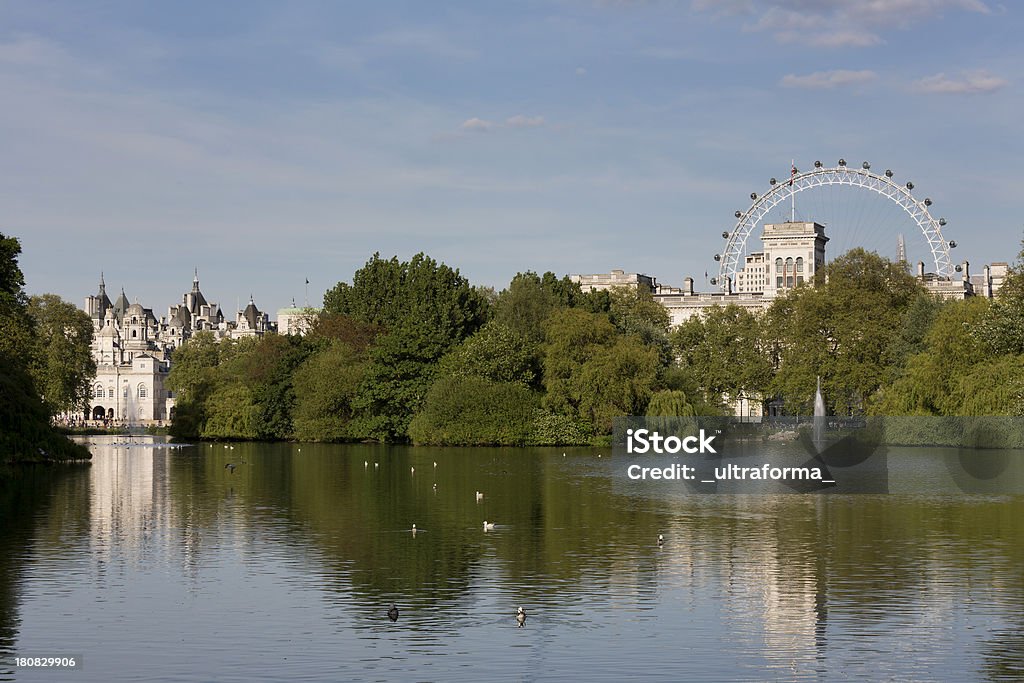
{"x":800,"y":265}
{"x":789,"y":280}
{"x":98,"y":391}
{"x":799,"y":279}
{"x":110,"y":392}
{"x":143,"y":392}
{"x":778,"y":265}
{"x":789,"y":265}
{"x":778,"y":283}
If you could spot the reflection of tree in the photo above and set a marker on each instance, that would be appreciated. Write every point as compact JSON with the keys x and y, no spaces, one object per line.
{"x":802,"y":560}
{"x":35,"y":505}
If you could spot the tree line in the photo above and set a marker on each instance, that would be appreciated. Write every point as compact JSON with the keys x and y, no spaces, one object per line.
{"x":411,"y":351}
{"x":46,"y":366}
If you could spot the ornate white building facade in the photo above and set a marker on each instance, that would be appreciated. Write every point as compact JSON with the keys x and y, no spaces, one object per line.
{"x":132,"y":349}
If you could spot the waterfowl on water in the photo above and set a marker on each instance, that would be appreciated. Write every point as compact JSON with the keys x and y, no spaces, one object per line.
{"x":661,"y":539}
{"x":521,"y":616}
{"x":479,"y":496}
{"x":488,"y":526}
{"x":393,"y":613}
{"x":230,"y":467}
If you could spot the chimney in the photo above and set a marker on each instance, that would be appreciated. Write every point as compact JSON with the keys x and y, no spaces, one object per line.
{"x":920,"y":269}
{"x":967,"y":270}
{"x":687,"y":286}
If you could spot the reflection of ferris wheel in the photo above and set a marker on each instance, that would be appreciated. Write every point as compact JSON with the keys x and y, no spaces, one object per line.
{"x":913,"y":211}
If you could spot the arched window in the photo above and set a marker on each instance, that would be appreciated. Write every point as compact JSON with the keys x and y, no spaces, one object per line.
{"x":98,"y":391}
{"x":800,"y":264}
{"x":134,"y":334}
{"x":143,"y":392}
{"x":789,"y":265}
{"x":778,"y":265}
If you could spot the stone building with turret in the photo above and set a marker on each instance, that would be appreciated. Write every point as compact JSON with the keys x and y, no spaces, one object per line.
{"x":132,"y":349}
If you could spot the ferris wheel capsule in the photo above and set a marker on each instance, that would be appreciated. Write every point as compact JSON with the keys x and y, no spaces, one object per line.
{"x":725,"y":234}
{"x":958,"y":268}
{"x":952,"y":244}
{"x":714,"y":280}
{"x":927,"y":201}
{"x":718,"y":257}
{"x":772,"y":181}
{"x":910,"y":185}
{"x":817,"y":164}
{"x":888,"y":173}
{"x":865,"y":165}
{"x":942,"y":221}
{"x":842,"y":162}
{"x":738,"y":214}
{"x":753,"y":195}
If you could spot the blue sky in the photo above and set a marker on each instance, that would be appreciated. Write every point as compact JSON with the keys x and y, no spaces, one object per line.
{"x":265,"y":143}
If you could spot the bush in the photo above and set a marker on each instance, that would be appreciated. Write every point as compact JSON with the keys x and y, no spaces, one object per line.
{"x":471,"y":411}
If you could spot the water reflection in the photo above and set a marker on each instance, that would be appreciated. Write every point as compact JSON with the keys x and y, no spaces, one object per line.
{"x":164,"y":563}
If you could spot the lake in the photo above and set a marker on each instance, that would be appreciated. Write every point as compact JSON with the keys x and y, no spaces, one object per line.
{"x":161,"y":564}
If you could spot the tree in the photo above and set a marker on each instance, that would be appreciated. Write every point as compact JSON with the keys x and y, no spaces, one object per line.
{"x":722,"y":349}
{"x":497,"y":353}
{"x":61,"y":361}
{"x":530,"y":299}
{"x":473,"y":411}
{"x":26,"y":433}
{"x":425,"y":309}
{"x":934,"y":380}
{"x":326,"y":386}
{"x":591,"y":373}
{"x":839,"y":330}
{"x":617,"y":381}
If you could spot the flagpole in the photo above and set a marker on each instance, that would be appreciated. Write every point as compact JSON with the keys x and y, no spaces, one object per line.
{"x":307,"y":292}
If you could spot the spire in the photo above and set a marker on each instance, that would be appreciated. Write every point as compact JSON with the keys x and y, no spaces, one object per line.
{"x":195,"y":281}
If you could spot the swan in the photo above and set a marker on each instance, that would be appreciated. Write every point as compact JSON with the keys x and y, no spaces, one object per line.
{"x":488,"y":526}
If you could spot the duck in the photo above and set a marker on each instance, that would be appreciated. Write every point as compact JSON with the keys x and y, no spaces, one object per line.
{"x":661,"y":539}
{"x":393,"y":612}
{"x":479,"y":496}
{"x":521,"y":616}
{"x":230,"y":467}
{"x":488,"y":526}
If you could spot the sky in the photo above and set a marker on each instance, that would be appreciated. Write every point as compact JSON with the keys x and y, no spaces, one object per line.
{"x":266,"y":143}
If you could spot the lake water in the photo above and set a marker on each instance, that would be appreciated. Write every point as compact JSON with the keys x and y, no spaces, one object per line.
{"x":160,"y":564}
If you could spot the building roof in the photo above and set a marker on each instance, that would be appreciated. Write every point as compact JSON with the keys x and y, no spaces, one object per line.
{"x":251,"y":314}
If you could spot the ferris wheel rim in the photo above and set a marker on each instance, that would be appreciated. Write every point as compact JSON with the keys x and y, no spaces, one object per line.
{"x":861,"y":177}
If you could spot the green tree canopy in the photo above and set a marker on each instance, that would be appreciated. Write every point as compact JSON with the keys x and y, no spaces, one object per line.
{"x":61,"y":361}
{"x":840,"y":330}
{"x":722,"y":348}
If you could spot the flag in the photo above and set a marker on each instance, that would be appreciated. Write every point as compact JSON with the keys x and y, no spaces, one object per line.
{"x":307,"y":280}
{"x":792,"y":172}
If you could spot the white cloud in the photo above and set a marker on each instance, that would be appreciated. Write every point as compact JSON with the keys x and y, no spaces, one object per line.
{"x":968,"y":83}
{"x":836,"y":23}
{"x":827,"y":79}
{"x":478,"y":125}
{"x":521,"y":121}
